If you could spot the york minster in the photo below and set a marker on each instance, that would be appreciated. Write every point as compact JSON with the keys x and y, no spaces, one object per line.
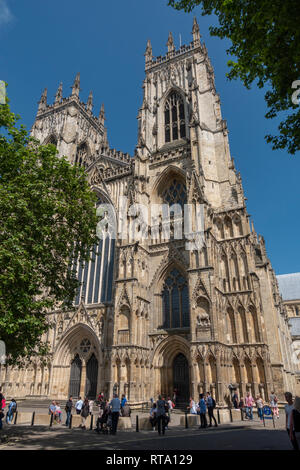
{"x":152,"y":316}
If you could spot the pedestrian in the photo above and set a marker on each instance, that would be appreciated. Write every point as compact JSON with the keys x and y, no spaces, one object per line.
{"x":78,"y":406}
{"x":153,"y":418}
{"x":1,"y":417}
{"x":235,"y":400}
{"x":288,"y":417}
{"x":12,"y":408}
{"x":85,"y":410}
{"x":68,"y":409}
{"x":115,"y":406}
{"x":211,"y":404}
{"x":161,"y":415}
{"x":249,"y":402}
{"x":52,"y":409}
{"x":57,"y":413}
{"x":202,"y":411}
{"x":260,"y":405}
{"x":295,"y":423}
{"x":192,"y":406}
{"x":123,"y":402}
{"x":103,"y":415}
{"x":126,"y":411}
{"x":274,"y":405}
{"x":91,"y":406}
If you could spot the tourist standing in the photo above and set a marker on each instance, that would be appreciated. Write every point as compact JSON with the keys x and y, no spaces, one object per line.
{"x":192,"y":406}
{"x":161,"y":415}
{"x":235,"y":400}
{"x":115,"y":406}
{"x":57,"y":413}
{"x":260,"y":405}
{"x":152,"y":418}
{"x":85,"y":411}
{"x":211,"y":404}
{"x":78,"y":406}
{"x":274,"y":405}
{"x":202,"y":411}
{"x":91,"y":406}
{"x":249,"y":402}
{"x":12,"y":408}
{"x":68,"y":408}
{"x":288,"y":418}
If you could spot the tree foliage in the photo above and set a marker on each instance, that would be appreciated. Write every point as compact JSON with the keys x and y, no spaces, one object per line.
{"x":265,"y":41}
{"x":47,"y":214}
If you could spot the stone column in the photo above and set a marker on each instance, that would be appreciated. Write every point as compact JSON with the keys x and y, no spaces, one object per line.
{"x":83,"y":379}
{"x":219,"y":384}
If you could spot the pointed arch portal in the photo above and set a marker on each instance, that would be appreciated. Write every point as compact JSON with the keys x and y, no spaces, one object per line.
{"x":75,"y":377}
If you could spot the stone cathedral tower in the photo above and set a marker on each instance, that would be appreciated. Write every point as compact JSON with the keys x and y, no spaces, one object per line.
{"x":151,"y":315}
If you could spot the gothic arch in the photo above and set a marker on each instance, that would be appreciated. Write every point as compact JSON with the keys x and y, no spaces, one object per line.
{"x":164,"y":179}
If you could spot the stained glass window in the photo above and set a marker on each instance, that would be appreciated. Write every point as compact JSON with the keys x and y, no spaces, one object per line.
{"x":175,"y":193}
{"x":174,"y":118}
{"x":175,"y":301}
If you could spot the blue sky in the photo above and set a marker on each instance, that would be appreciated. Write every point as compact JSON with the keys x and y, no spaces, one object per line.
{"x":44,"y":42}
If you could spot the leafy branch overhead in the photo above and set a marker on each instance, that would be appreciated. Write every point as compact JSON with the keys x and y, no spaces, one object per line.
{"x":265,"y":41}
{"x":47,"y":214}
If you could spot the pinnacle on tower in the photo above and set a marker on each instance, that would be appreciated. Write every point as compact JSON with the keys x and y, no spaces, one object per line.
{"x":196,"y":32}
{"x":43,"y":101}
{"x":58,"y":96}
{"x":102,"y":114}
{"x":76,"y":86}
{"x":148,"y":53}
{"x":89,"y":105}
{"x":170,"y":43}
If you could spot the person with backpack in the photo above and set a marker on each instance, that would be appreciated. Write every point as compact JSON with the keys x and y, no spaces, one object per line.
{"x":211,"y":404}
{"x":295,"y":424}
{"x":68,"y":409}
{"x":161,"y":415}
{"x":12,"y":408}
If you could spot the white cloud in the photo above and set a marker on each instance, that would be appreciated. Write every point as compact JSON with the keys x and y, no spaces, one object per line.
{"x":5,"y":14}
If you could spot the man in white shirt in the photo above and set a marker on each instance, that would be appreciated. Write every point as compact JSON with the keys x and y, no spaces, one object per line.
{"x":78,"y":406}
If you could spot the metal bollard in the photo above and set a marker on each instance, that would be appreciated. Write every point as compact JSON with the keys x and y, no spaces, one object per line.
{"x":230,"y":412}
{"x":92,"y":419}
{"x":70,"y":423}
{"x":218,"y":413}
{"x":16,"y":416}
{"x":51,"y":420}
{"x":186,"y":420}
{"x":137,"y":423}
{"x":242,"y":415}
{"x":32,"y":419}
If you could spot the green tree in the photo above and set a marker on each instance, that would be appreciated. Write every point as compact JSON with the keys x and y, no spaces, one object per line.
{"x":47,"y":215}
{"x":265,"y":41}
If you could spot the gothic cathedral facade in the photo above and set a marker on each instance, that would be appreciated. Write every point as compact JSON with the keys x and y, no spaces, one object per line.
{"x":152,"y":316}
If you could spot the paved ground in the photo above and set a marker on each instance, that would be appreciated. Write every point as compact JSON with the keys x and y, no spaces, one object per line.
{"x":235,"y":436}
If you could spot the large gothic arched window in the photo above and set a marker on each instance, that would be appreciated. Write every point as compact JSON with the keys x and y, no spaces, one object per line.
{"x":175,"y":193}
{"x":174,"y":117}
{"x":96,"y":275}
{"x":175,"y":301}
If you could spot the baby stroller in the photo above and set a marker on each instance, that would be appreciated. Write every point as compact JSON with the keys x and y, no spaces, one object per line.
{"x":104,"y":422}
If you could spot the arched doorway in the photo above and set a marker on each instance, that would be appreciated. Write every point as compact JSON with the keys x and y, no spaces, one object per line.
{"x":181,"y":380}
{"x":75,"y":376}
{"x":91,"y":377}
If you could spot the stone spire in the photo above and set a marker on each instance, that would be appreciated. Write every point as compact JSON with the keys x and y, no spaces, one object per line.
{"x":89,"y":105}
{"x":58,"y":96}
{"x":170,"y":43}
{"x":76,"y":86}
{"x":102,"y":114}
{"x":148,"y":53}
{"x":43,"y":101}
{"x":196,"y":33}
